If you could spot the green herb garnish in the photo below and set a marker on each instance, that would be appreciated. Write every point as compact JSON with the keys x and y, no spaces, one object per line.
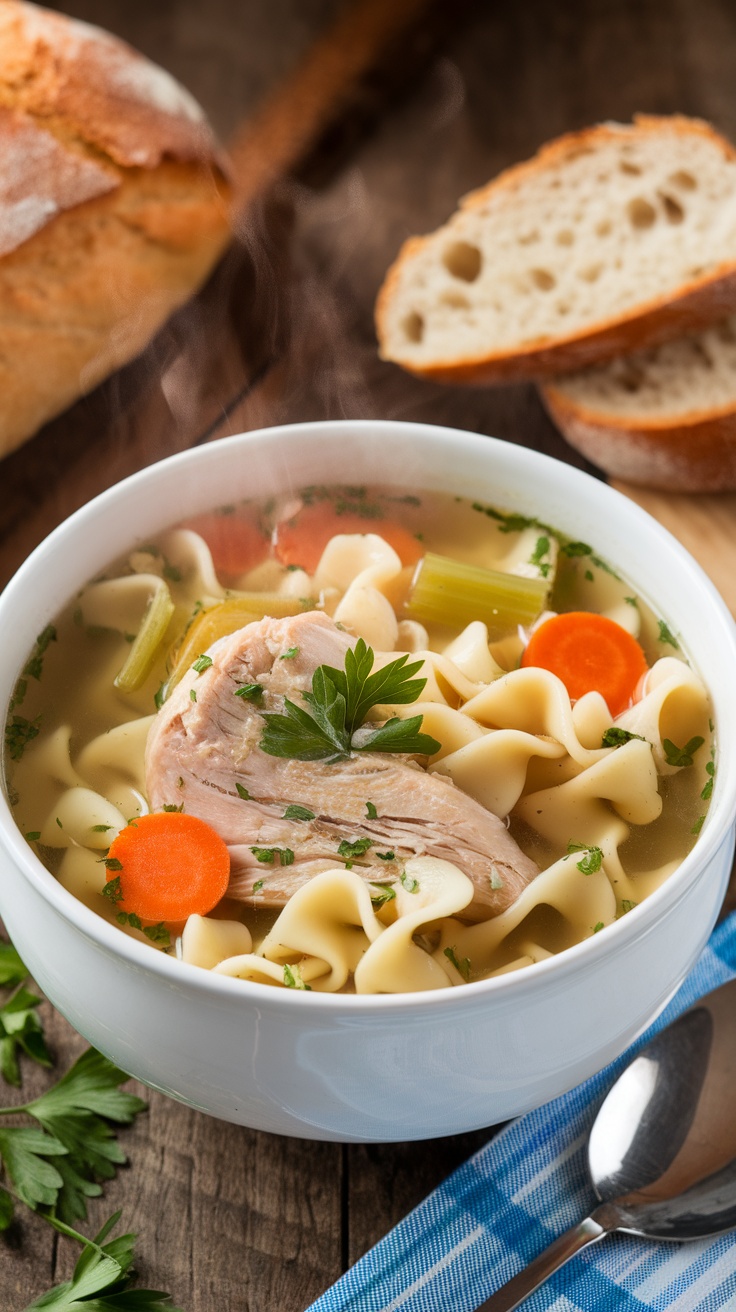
{"x":590,"y":863}
{"x":666,"y":635}
{"x":357,"y":848}
{"x":294,"y":812}
{"x":242,"y":791}
{"x":462,"y":966}
{"x":202,"y":663}
{"x":615,"y":737}
{"x":250,"y":692}
{"x":409,"y":883}
{"x":681,"y":755}
{"x":339,"y":703}
{"x":370,"y":811}
{"x":293,"y":979}
{"x":386,"y":893}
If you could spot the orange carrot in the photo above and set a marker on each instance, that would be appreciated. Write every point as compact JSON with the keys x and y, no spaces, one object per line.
{"x":236,"y":542}
{"x":170,"y":866}
{"x":589,"y":652}
{"x":301,"y":540}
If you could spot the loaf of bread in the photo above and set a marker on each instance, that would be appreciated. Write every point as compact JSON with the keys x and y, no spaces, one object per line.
{"x":609,"y":239}
{"x":663,"y":417}
{"x":114,"y":206}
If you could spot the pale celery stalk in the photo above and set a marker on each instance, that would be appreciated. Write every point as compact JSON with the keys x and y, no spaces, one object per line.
{"x":221,"y":620}
{"x":447,"y":592}
{"x":150,"y":636}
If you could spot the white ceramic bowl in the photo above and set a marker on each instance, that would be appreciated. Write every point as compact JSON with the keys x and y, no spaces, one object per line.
{"x":388,"y":1067}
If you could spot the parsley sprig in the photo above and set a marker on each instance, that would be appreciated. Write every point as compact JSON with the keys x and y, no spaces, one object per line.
{"x":339,"y":703}
{"x":57,"y":1156}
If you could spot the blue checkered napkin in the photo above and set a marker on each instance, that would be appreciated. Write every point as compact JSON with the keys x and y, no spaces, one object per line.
{"x":516,"y":1195}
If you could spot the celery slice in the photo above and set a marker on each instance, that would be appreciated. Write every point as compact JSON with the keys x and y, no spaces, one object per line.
{"x":447,"y":592}
{"x":150,"y":636}
{"x":226,"y":618}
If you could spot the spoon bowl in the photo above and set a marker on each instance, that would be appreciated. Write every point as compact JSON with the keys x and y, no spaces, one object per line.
{"x":662,"y":1149}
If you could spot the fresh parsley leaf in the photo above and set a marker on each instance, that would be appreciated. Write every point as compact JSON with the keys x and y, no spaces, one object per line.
{"x":398,"y":735}
{"x":242,"y":791}
{"x":268,"y":855}
{"x":113,"y":891}
{"x":615,"y":737}
{"x":258,"y":885}
{"x":386,"y":856}
{"x":19,"y":732}
{"x":21,"y":1031}
{"x":24,"y":1150}
{"x":293,"y":979}
{"x":294,"y":812}
{"x":103,"y":1280}
{"x":12,"y":970}
{"x":202,"y":663}
{"x":338,"y":704}
{"x":357,"y":848}
{"x":590,"y":863}
{"x":76,"y":1113}
{"x":386,"y":894}
{"x":370,"y":811}
{"x":462,"y":966}
{"x":290,"y":654}
{"x":250,"y":692}
{"x":666,"y":635}
{"x":681,"y":755}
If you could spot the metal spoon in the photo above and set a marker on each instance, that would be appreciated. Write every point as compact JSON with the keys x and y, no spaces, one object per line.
{"x":662,"y":1150}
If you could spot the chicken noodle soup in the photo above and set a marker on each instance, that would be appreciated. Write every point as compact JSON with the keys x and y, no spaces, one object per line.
{"x":360,"y":741}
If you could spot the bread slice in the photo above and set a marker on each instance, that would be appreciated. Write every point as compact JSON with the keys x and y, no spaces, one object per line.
{"x":114,"y":208}
{"x":664,"y":417}
{"x":610,"y":238}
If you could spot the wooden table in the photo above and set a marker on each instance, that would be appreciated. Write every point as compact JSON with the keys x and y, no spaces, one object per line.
{"x":230,"y":1219}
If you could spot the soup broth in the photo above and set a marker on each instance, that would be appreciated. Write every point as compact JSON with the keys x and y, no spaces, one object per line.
{"x":328,"y":887}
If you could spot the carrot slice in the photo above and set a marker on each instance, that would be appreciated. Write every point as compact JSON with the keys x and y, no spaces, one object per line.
{"x":301,"y":540}
{"x":589,"y":653}
{"x":170,"y":866}
{"x":237,"y":544}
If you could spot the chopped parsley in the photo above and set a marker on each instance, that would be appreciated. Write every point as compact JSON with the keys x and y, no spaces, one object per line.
{"x":357,"y":848}
{"x":681,"y":756}
{"x":202,"y":663}
{"x":242,"y":791}
{"x":250,"y":692}
{"x":293,"y":979}
{"x":598,"y":927}
{"x":112,"y":890}
{"x":370,"y":811}
{"x":192,"y":695}
{"x":590,"y":863}
{"x":267,"y":855}
{"x":295,"y":812}
{"x":666,"y":635}
{"x":409,"y":883}
{"x":290,"y":654}
{"x":258,"y":885}
{"x":169,"y":806}
{"x":462,"y":966}
{"x":627,"y":905}
{"x":386,"y":893}
{"x":19,"y":732}
{"x":386,"y":856}
{"x":615,"y":737}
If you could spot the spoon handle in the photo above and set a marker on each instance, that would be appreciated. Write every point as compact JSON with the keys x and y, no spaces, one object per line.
{"x":525,"y":1282}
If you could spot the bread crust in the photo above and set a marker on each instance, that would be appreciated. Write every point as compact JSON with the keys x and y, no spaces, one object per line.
{"x":694,"y":304}
{"x":697,"y":453}
{"x":114,"y":208}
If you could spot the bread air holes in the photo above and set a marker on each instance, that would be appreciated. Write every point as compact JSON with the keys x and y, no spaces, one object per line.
{"x":543,"y":280}
{"x":413,"y":326}
{"x":673,"y":210}
{"x":641,"y":213}
{"x":565,"y":237}
{"x":463,"y":260}
{"x":455,"y":300}
{"x":683,"y":180}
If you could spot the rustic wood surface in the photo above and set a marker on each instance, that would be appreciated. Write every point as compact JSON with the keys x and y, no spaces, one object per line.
{"x":232,"y":1220}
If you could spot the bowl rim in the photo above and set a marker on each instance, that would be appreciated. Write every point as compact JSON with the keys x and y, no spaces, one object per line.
{"x":720,"y":817}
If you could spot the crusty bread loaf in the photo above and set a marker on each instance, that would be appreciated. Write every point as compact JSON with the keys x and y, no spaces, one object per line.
{"x":113,"y":209}
{"x":609,"y":239}
{"x":664,"y":417}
